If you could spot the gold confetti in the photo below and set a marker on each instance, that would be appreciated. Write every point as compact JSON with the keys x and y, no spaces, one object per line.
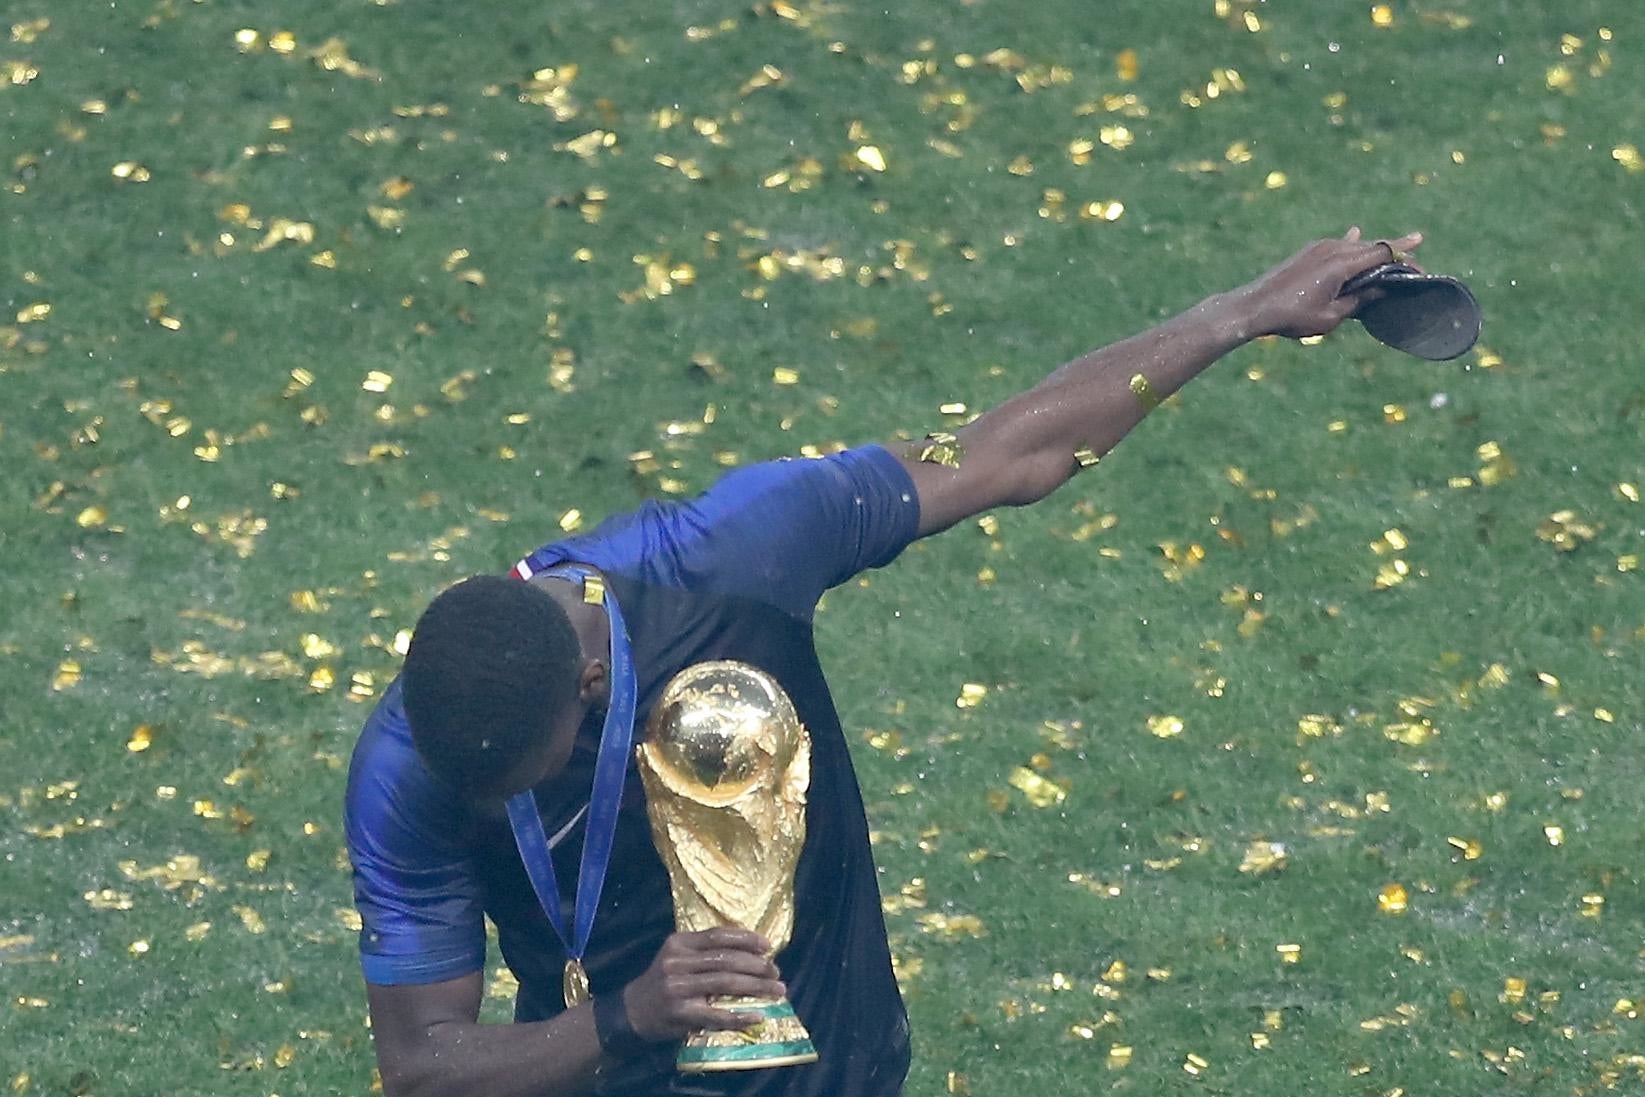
{"x":1144,"y":392}
{"x":1392,"y":898}
{"x":130,"y":171}
{"x":1470,"y":848}
{"x":66,"y":677}
{"x":1165,"y":727}
{"x":1262,"y":857}
{"x":1119,"y":1056}
{"x":1554,"y":833}
{"x":1382,"y":15}
{"x":1041,"y":792}
{"x":942,"y":448}
{"x":1565,"y":530}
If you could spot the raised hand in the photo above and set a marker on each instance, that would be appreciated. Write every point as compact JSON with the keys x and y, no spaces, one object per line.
{"x":671,"y":998}
{"x":1302,"y":296}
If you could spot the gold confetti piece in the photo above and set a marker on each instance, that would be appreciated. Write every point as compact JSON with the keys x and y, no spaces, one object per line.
{"x":17,"y":73}
{"x":1628,"y":491}
{"x":952,"y":926}
{"x":129,"y":171}
{"x":593,"y":590}
{"x":1041,"y":792}
{"x":138,"y":948}
{"x":1392,"y":899}
{"x":1263,"y":857}
{"x":31,"y":314}
{"x":1125,"y":65}
{"x":1513,"y":990}
{"x":1275,"y":180}
{"x":785,"y":375}
{"x":332,"y":56}
{"x":66,"y":677}
{"x":1470,"y":848}
{"x":251,"y":920}
{"x":93,"y":517}
{"x":142,"y":737}
{"x":1315,"y":726}
{"x":108,"y":899}
{"x":1565,"y":530}
{"x":1144,"y":392}
{"x":1086,"y":457}
{"x":1593,"y":905}
{"x":958,"y":1085}
{"x":1119,"y":1056}
{"x":869,"y":157}
{"x":942,"y":448}
{"x":1260,"y":1041}
{"x":1117,"y":137}
{"x":1289,"y":953}
{"x":28,"y":32}
{"x":1165,"y":727}
{"x":1195,"y":1064}
{"x":1382,"y":15}
{"x":1554,"y":833}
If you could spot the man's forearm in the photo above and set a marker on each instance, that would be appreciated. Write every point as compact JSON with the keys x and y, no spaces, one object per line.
{"x":1092,"y":402}
{"x":1030,"y":445}
{"x":555,"y":1058}
{"x":1027,"y":447}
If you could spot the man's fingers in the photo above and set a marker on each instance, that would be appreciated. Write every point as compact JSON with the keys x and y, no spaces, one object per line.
{"x":722,"y":984}
{"x":724,"y":937}
{"x":1353,"y":235}
{"x":737,"y":960}
{"x":711,"y":1018}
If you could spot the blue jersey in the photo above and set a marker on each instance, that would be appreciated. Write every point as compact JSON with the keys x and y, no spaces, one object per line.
{"x":733,"y":574}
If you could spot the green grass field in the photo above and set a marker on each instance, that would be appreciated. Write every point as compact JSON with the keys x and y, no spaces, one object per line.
{"x":1306,"y":757}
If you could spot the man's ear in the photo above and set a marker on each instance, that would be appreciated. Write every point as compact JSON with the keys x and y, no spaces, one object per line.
{"x":594,"y":683}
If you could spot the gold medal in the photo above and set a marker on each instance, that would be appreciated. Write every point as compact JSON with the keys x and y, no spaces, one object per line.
{"x":575,"y":984}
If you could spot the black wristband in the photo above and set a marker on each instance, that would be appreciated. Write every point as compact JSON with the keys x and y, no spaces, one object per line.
{"x":611,"y":1024}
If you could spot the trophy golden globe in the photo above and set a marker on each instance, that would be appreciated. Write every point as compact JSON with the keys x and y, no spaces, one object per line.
{"x":726,"y":763}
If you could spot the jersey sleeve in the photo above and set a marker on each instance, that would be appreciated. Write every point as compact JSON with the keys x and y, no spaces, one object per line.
{"x":421,"y":914}
{"x":782,"y":532}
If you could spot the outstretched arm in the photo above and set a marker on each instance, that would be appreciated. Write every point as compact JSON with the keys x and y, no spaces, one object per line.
{"x":1027,"y":447}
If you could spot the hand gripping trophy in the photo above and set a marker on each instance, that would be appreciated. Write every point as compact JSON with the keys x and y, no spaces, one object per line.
{"x":726,"y":764}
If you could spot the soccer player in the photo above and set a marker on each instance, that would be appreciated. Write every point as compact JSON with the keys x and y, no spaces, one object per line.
{"x":512,"y":684}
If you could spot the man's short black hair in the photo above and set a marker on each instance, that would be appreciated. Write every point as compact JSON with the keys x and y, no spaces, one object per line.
{"x":491,"y":662}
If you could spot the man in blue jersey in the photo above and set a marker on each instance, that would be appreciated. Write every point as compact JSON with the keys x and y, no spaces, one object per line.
{"x":514,"y":689}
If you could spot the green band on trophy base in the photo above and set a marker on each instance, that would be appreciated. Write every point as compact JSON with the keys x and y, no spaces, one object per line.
{"x":775,"y":1038}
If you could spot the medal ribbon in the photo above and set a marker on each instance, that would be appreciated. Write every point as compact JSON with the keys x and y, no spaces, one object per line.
{"x":610,"y":770}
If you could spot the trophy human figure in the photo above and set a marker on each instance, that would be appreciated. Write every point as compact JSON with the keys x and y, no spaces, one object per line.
{"x":726,"y":764}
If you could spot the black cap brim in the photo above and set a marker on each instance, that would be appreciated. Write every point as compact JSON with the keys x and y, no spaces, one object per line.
{"x":1430,"y":316}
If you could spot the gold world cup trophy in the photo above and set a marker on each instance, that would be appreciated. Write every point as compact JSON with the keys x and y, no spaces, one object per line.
{"x":726,"y":764}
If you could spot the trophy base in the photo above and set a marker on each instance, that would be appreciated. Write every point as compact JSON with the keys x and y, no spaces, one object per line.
{"x":775,"y":1038}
